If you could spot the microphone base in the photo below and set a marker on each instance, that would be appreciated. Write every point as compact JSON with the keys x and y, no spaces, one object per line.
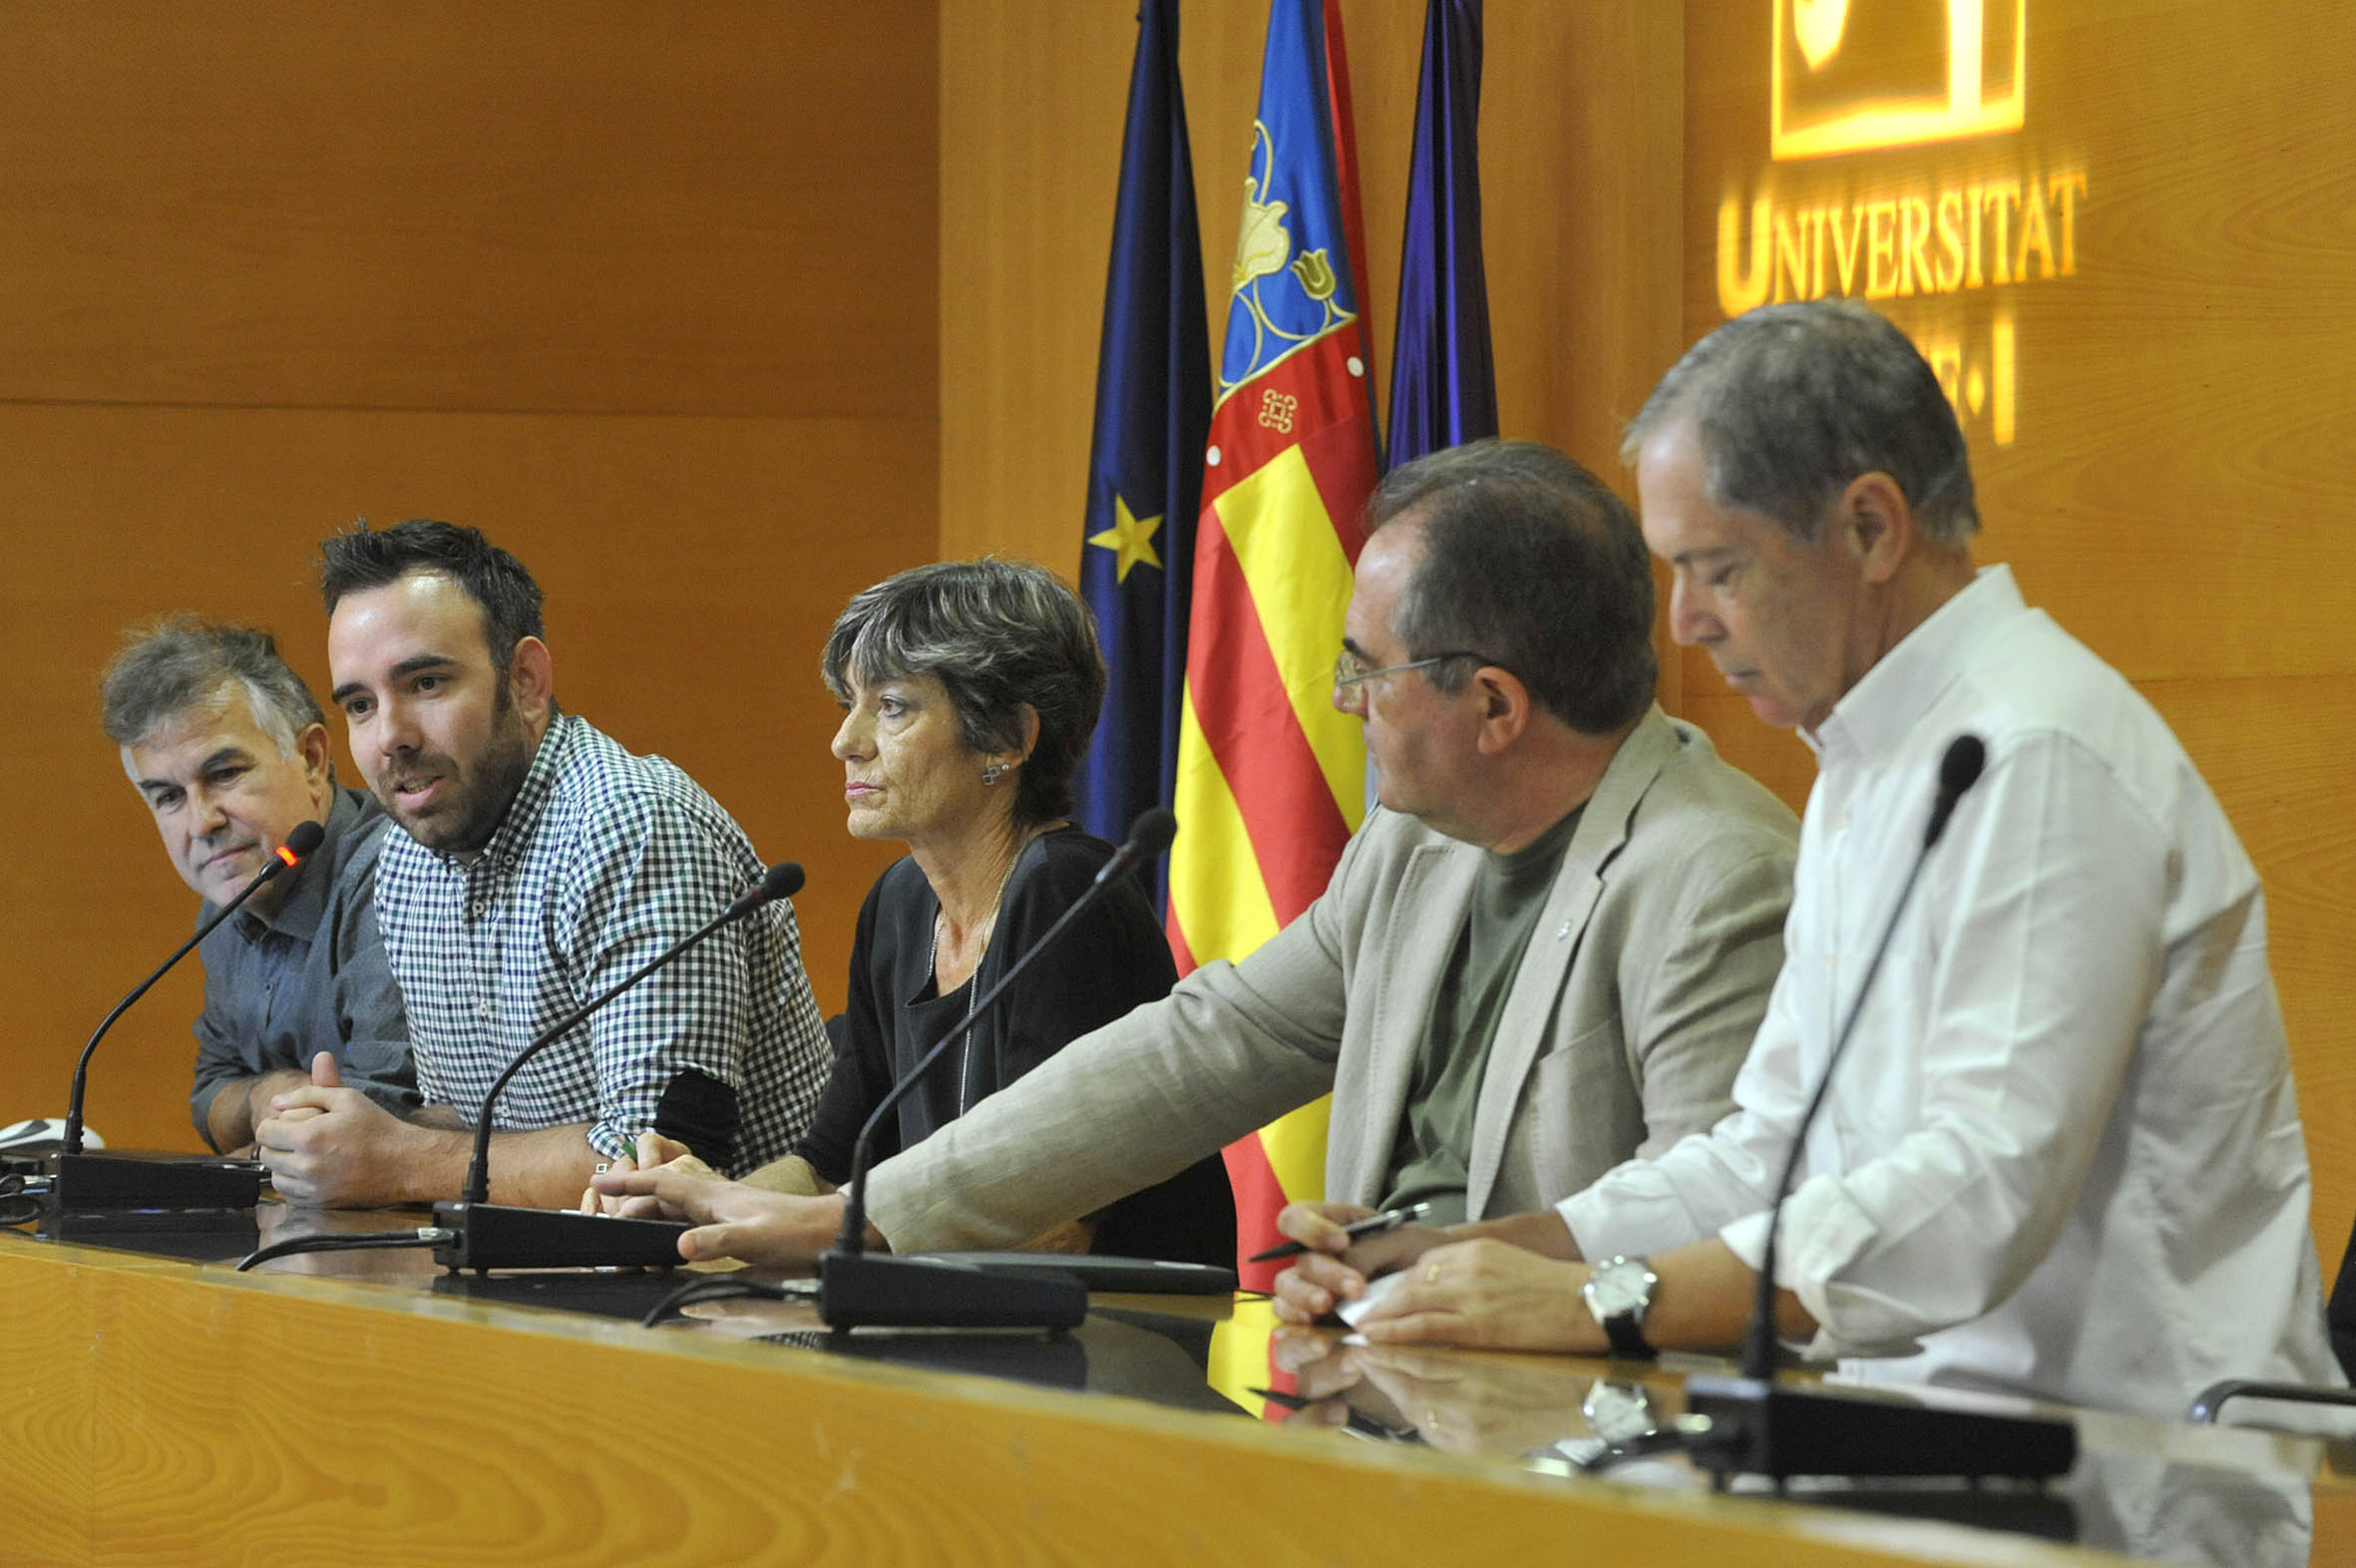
{"x":502,"y":1236}
{"x":87,"y":1183}
{"x":1758,"y":1429}
{"x":881,"y":1291}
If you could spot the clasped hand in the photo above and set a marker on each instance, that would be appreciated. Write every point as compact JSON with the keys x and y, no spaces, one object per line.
{"x":329,"y":1145}
{"x":1480,"y":1292}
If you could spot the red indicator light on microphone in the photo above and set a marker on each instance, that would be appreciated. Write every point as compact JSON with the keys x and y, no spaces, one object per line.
{"x":299,"y":845}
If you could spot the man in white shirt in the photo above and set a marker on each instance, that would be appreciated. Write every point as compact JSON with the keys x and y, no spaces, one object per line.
{"x":2063,"y":1155}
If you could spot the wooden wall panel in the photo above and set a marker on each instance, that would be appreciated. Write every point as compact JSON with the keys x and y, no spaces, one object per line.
{"x":621,"y":204}
{"x":1582,"y":155}
{"x":646,"y":292}
{"x":2184,"y":457}
{"x":1027,"y":191}
{"x":1583,"y":137}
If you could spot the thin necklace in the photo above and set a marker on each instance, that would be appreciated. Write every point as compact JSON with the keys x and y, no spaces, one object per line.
{"x":990,"y":926}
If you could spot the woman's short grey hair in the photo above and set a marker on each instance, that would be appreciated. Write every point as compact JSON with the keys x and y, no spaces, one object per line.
{"x":182,"y":662}
{"x":1533,"y":564}
{"x":998,"y":634}
{"x":1793,"y":402}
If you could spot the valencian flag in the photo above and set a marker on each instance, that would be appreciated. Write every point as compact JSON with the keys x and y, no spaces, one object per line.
{"x":1145,"y":463}
{"x":1443,"y":382}
{"x":1270,"y":779}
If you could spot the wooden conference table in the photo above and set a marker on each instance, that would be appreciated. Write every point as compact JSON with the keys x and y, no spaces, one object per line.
{"x":365,"y":1407}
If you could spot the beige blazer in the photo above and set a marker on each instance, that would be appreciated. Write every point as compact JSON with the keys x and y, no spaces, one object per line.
{"x":1634,"y":1006}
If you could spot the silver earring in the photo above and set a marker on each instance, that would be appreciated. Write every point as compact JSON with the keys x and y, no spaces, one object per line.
{"x":991,"y":774}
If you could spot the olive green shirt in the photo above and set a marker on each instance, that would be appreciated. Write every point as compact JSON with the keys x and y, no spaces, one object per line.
{"x":1435,"y":1144}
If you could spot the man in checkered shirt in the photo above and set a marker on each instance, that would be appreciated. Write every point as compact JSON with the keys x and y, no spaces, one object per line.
{"x":533,"y":864}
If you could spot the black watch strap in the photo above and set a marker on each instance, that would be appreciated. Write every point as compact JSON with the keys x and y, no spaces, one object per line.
{"x":1627,"y":1337}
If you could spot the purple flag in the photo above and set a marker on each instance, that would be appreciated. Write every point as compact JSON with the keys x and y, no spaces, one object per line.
{"x":1444,"y":380}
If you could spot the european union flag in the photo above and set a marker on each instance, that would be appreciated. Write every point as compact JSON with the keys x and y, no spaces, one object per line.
{"x":1145,"y":463}
{"x":1444,"y":380}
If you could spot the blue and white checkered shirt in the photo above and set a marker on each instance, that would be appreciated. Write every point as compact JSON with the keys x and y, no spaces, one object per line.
{"x":603,"y":860}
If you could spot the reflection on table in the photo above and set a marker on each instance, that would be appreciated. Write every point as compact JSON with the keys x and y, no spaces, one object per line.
{"x":537,"y":1362}
{"x":2182,"y":1494}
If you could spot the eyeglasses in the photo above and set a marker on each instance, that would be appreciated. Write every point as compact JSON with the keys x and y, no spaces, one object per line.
{"x":1350,"y":670}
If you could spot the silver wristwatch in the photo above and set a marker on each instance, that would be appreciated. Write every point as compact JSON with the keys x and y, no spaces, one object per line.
{"x":1619,"y":1292}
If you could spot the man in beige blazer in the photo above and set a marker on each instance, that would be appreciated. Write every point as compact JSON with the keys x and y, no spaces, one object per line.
{"x":1546,"y":952}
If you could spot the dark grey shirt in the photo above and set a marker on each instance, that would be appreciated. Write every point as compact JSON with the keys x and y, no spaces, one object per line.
{"x":309,"y":976}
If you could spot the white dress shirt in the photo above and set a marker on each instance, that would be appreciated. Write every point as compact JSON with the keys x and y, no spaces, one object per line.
{"x":2061,"y":1155}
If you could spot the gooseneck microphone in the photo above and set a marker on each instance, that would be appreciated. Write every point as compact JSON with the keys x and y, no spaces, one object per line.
{"x":1959,"y":770}
{"x":301,"y":844}
{"x":1757,"y":1429}
{"x":485,"y":1235}
{"x":857,"y":1288}
{"x":79,"y":1181}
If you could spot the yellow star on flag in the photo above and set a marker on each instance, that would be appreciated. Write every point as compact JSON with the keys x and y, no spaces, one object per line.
{"x":1130,"y":538}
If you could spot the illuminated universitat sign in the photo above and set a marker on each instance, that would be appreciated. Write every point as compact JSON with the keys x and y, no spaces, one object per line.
{"x":1899,"y":176}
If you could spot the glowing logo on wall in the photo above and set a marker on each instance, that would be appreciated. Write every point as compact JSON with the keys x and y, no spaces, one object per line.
{"x":1943,"y":240}
{"x":1850,"y":76}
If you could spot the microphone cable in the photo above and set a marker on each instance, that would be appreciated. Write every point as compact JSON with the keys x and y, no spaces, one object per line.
{"x":422,"y":1235}
{"x":726,"y":1287}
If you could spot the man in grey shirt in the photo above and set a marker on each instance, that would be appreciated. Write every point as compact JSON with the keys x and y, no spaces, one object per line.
{"x":229,"y":749}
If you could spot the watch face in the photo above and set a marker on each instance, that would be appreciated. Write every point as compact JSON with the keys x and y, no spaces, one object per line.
{"x":1618,"y":1289}
{"x":1619,"y":1412}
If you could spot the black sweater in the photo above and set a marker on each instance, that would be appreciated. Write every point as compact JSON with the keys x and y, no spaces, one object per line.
{"x":1112,"y":960}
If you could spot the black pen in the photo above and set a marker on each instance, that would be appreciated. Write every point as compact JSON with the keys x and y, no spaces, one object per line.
{"x":1372,"y":1225}
{"x":1356,"y":1420}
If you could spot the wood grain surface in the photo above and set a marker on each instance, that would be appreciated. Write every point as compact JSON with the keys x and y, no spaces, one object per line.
{"x":162,"y":1413}
{"x":618,"y":205}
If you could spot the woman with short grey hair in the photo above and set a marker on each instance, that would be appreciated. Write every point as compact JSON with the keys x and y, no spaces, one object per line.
{"x":970,"y":690}
{"x":1014,"y":652}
